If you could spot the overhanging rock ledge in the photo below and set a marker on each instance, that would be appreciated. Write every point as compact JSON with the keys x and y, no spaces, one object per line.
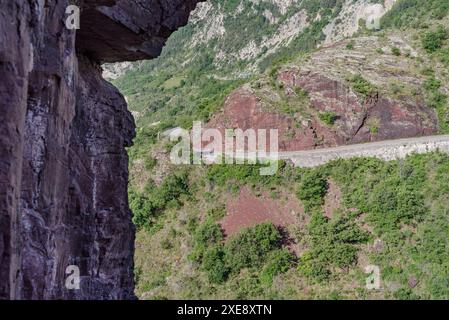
{"x":63,"y":133}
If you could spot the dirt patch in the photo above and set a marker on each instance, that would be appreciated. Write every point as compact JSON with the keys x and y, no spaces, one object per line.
{"x":332,"y":201}
{"x":247,"y":210}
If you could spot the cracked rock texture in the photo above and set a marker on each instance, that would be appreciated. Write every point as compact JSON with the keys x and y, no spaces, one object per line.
{"x":300,"y":92}
{"x":63,"y":133}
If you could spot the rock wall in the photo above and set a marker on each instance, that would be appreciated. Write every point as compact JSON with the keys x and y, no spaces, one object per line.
{"x":63,"y":133}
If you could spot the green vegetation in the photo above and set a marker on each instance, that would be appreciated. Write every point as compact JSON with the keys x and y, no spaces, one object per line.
{"x":278,"y":262}
{"x":414,"y":13}
{"x":257,"y":248}
{"x":182,"y":251}
{"x":333,"y":243}
{"x":433,"y":41}
{"x":403,"y":204}
{"x":312,"y":189}
{"x":149,"y":163}
{"x":396,"y":51}
{"x":438,"y":100}
{"x":435,"y":44}
{"x":350,"y":45}
{"x":394,"y":196}
{"x":328,"y":117}
{"x":390,"y":194}
{"x":233,"y":176}
{"x":147,"y":205}
{"x":251,"y":247}
{"x":373,"y":126}
{"x":361,"y":86}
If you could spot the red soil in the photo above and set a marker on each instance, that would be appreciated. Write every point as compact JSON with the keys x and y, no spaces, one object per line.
{"x":247,"y":210}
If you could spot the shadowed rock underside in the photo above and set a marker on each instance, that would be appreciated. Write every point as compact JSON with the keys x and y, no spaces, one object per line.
{"x":63,"y":132}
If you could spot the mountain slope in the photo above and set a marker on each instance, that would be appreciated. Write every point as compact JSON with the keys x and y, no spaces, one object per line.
{"x":227,"y":44}
{"x":323,"y":79}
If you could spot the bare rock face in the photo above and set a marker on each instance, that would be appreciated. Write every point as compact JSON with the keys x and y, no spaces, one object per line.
{"x":295,"y":99}
{"x":63,"y":133}
{"x":363,"y":119}
{"x":244,"y":110}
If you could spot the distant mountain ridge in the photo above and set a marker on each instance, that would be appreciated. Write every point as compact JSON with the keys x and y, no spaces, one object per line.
{"x":279,"y":22}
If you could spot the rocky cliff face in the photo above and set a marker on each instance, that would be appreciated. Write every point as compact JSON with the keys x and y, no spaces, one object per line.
{"x":345,"y":93}
{"x":63,"y":133}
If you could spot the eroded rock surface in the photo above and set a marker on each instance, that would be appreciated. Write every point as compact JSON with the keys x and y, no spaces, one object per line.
{"x":63,"y":133}
{"x":297,"y":98}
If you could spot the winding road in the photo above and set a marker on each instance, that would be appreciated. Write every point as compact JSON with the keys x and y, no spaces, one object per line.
{"x":385,"y":150}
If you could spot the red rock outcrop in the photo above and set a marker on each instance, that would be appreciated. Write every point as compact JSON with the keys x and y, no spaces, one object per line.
{"x":359,"y":119}
{"x":63,"y":133}
{"x":378,"y":118}
{"x":324,"y":81}
{"x":244,"y":110}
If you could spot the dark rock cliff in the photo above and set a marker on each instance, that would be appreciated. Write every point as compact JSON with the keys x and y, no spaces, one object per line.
{"x":63,"y":133}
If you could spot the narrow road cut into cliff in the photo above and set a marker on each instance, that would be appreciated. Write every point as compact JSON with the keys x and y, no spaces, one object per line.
{"x":385,"y":150}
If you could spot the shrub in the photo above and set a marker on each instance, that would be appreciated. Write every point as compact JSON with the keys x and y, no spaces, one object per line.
{"x":224,"y":174}
{"x":250,"y":247}
{"x":301,"y":93}
{"x":361,"y":86}
{"x":312,"y":189}
{"x":216,"y":213}
{"x":438,"y":100}
{"x":396,"y":51}
{"x":154,"y":200}
{"x":150,"y":163}
{"x":405,"y":294}
{"x":328,"y":117}
{"x":214,"y":264}
{"x":253,"y":248}
{"x":174,"y":186}
{"x":311,"y":268}
{"x":248,"y":286}
{"x":332,"y":244}
{"x":434,"y":40}
{"x":208,"y":233}
{"x":279,"y":261}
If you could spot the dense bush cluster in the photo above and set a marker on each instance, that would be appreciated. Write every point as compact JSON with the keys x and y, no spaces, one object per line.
{"x":312,"y":189}
{"x":361,"y":85}
{"x":434,"y":40}
{"x":146,"y":206}
{"x":235,"y":175}
{"x":438,"y":100}
{"x":392,"y":195}
{"x":258,"y":248}
{"x":389,"y":193}
{"x":333,"y":243}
